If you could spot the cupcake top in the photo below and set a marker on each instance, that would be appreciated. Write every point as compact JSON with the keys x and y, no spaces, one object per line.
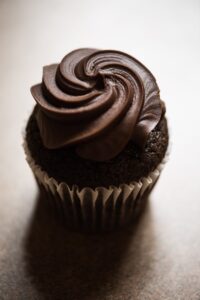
{"x":97,"y":100}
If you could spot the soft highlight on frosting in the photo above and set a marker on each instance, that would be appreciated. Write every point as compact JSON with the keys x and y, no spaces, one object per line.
{"x":97,"y":100}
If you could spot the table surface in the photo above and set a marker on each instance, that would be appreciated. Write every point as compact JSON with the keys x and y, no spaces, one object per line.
{"x":157,"y":259}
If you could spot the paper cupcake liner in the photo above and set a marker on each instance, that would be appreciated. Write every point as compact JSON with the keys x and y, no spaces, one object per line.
{"x":95,"y":209}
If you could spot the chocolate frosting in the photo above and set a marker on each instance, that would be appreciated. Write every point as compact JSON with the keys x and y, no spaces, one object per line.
{"x":98,"y":101}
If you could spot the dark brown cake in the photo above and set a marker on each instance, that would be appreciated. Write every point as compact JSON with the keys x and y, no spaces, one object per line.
{"x":130,"y":165}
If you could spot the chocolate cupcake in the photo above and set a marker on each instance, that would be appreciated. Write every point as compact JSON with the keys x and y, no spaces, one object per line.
{"x":97,"y":138}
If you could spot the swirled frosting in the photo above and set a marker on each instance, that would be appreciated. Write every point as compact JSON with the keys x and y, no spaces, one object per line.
{"x":97,"y":101}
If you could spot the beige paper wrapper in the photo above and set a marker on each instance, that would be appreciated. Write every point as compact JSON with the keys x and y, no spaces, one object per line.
{"x":95,"y":209}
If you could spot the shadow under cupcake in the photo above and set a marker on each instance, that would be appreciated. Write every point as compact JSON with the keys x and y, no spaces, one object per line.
{"x":69,"y":265}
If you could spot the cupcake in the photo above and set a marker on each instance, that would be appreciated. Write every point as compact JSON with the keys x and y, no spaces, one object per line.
{"x":97,"y":138}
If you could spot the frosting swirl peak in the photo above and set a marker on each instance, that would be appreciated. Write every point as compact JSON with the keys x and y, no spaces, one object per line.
{"x":98,"y":101}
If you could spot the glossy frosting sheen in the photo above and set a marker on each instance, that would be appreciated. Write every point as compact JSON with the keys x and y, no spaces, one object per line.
{"x":98,"y":101}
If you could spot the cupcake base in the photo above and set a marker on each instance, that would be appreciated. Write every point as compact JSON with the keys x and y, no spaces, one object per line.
{"x":94,"y":209}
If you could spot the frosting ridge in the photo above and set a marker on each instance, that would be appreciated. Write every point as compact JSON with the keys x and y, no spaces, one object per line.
{"x":97,"y":100}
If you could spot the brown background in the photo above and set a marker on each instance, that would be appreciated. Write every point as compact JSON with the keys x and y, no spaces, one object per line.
{"x":157,"y":259}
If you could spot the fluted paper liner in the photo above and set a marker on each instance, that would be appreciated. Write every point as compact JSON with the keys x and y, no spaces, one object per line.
{"x":95,"y":209}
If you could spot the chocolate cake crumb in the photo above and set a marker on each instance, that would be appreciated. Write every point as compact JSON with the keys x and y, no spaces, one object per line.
{"x":130,"y":165}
